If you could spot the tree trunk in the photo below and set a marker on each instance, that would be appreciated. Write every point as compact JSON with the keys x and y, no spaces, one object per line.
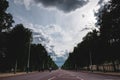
{"x":113,"y":63}
{"x":97,"y":67}
{"x":104,"y":69}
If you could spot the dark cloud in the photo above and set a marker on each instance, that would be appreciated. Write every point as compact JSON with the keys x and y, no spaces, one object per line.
{"x":64,"y":5}
{"x":100,"y":2}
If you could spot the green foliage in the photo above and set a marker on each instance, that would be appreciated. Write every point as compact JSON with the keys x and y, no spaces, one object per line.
{"x":104,"y":45}
{"x":18,"y":46}
{"x":15,"y":45}
{"x":40,"y":60}
{"x":6,"y":19}
{"x":80,"y":57}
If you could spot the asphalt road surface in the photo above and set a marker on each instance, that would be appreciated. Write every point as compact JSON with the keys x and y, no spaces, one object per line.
{"x":61,"y":75}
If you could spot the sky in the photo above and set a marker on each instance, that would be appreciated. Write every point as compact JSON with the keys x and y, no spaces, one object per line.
{"x":59,"y":25}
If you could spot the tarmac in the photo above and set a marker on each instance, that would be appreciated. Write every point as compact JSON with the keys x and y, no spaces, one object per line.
{"x":94,"y":72}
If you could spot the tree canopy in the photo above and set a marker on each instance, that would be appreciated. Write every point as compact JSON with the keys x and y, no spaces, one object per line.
{"x":16,"y":49}
{"x":101,"y":46}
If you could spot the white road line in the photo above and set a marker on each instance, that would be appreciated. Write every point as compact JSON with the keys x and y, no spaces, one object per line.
{"x":51,"y":78}
{"x":79,"y":78}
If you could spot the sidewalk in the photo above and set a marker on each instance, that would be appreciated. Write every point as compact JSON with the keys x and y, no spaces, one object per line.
{"x":104,"y":73}
{"x":17,"y":73}
{"x":108,"y":73}
{"x":11,"y":74}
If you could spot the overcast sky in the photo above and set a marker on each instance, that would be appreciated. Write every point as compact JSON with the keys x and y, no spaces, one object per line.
{"x":57,"y":24}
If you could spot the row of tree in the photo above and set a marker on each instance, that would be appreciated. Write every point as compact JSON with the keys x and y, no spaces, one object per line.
{"x":40,"y":60}
{"x":16,"y":51}
{"x":100,"y":47}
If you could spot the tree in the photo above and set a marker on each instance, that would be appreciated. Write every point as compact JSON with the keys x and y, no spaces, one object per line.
{"x":109,"y":22}
{"x":40,"y":60}
{"x":19,"y":41}
{"x":80,"y":57}
{"x":6,"y":19}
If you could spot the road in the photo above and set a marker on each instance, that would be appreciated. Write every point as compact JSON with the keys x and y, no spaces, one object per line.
{"x":61,"y":75}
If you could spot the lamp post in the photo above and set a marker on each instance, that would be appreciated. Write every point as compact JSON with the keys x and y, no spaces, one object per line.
{"x":28,"y":61}
{"x":15,"y":67}
{"x":91,"y":62}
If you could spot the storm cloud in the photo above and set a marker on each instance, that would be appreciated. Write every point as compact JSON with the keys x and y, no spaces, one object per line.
{"x":64,"y":5}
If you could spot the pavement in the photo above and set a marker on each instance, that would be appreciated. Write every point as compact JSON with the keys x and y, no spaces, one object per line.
{"x":102,"y":73}
{"x":12,"y":74}
{"x":108,"y":73}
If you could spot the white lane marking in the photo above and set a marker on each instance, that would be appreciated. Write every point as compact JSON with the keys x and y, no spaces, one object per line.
{"x":51,"y":78}
{"x":79,"y":78}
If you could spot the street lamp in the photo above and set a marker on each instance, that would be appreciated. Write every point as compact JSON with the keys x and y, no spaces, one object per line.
{"x":15,"y":67}
{"x":28,"y":61}
{"x":90,"y":55}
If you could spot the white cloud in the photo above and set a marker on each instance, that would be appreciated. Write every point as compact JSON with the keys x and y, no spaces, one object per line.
{"x":66,"y":30}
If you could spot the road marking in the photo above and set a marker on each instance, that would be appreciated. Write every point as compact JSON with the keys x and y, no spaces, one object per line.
{"x":79,"y":78}
{"x":51,"y":78}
